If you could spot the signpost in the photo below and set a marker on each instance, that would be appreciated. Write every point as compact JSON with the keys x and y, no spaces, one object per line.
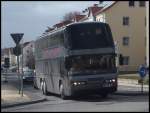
{"x":6,"y":65}
{"x":142,"y":73}
{"x":17,"y":51}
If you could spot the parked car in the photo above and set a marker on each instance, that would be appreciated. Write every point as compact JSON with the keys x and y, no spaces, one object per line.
{"x":13,"y":68}
{"x":28,"y":75}
{"x":2,"y":69}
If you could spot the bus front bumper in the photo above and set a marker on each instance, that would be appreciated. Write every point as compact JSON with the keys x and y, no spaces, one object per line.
{"x":94,"y":87}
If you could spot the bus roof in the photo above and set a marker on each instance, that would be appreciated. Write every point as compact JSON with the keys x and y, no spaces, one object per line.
{"x":62,"y":28}
{"x":79,"y":23}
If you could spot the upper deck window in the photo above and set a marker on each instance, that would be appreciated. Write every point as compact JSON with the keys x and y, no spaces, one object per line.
{"x":90,"y":36}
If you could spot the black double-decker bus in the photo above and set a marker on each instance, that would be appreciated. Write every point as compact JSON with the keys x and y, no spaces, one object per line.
{"x":78,"y":58}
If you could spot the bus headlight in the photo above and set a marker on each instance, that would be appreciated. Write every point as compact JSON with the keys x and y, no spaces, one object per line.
{"x":113,"y":80}
{"x":79,"y":83}
{"x":74,"y":83}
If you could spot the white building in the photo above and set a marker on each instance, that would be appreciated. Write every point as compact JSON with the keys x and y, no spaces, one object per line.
{"x":8,"y":53}
{"x":28,"y":52}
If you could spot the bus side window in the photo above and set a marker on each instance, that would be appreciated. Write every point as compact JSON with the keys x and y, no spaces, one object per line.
{"x":56,"y":67}
{"x":66,"y":36}
{"x":52,"y":67}
{"x":49,"y":67}
{"x":61,"y":38}
{"x":46,"y":68}
{"x":62,"y":67}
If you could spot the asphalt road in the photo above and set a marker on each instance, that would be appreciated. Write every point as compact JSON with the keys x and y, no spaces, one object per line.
{"x":137,"y":103}
{"x":88,"y":103}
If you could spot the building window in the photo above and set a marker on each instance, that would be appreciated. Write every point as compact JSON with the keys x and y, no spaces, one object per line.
{"x":142,"y":3}
{"x":131,"y":3}
{"x":125,"y":41}
{"x":125,"y":20}
{"x":125,"y":60}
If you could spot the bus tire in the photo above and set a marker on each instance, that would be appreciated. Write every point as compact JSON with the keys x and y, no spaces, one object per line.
{"x":62,"y":94}
{"x":41,"y":85}
{"x":44,"y":88}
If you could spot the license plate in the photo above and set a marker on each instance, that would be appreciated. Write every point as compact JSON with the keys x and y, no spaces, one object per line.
{"x":106,"y":85}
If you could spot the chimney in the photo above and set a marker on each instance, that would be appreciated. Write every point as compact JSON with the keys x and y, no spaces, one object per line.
{"x":85,"y":10}
{"x":100,"y":2}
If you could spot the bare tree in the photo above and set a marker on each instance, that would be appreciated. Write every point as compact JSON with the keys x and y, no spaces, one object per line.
{"x":70,"y":15}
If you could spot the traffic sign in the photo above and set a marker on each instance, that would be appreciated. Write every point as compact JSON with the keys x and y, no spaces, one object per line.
{"x":17,"y":37}
{"x":142,"y":71}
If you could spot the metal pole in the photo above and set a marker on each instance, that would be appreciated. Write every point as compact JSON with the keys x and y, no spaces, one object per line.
{"x":18,"y":71}
{"x":22,"y":70}
{"x":142,"y":86}
{"x":6,"y":76}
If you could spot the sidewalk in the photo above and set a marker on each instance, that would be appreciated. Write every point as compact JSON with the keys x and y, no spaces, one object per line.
{"x":10,"y":96}
{"x":130,"y":82}
{"x":131,"y":87}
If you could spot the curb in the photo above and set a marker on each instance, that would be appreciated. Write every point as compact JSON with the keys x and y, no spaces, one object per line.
{"x":34,"y":98}
{"x":126,"y":93}
{"x":133,"y":85}
{"x":23,"y":103}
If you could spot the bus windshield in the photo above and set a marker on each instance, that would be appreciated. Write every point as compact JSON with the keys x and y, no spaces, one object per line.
{"x":91,"y":64}
{"x":90,"y":36}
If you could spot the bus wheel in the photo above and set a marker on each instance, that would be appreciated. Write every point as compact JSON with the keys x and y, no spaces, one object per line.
{"x":41,"y":85}
{"x":61,"y":88}
{"x":44,"y":88}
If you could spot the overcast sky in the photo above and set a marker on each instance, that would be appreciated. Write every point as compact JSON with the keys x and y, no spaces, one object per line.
{"x":32,"y":18}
